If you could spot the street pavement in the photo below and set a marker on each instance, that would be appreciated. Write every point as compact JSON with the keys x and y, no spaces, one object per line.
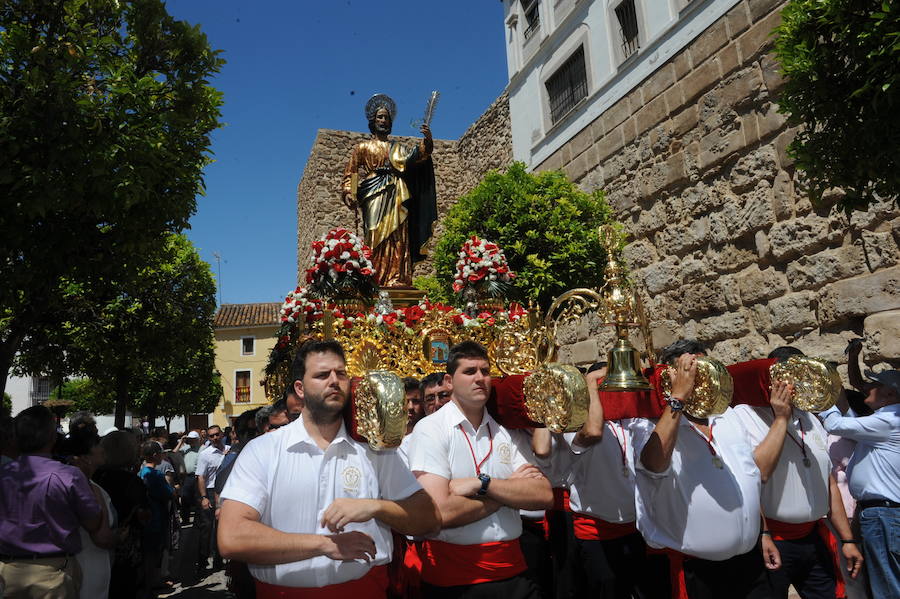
{"x":208,"y":585}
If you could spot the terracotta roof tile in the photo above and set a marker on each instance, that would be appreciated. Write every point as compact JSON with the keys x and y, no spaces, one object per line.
{"x":247,"y":315}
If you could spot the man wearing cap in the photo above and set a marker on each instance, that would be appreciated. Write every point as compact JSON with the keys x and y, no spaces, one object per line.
{"x":479,"y":479}
{"x":309,"y":508}
{"x":697,"y":493}
{"x":874,"y":473}
{"x":798,"y":492}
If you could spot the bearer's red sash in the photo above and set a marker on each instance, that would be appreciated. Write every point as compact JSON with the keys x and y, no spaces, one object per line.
{"x":788,"y":531}
{"x":595,"y":529}
{"x":373,"y":584}
{"x":449,"y":564}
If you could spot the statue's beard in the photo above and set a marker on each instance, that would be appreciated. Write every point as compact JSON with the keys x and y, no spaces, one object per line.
{"x":380,"y":129}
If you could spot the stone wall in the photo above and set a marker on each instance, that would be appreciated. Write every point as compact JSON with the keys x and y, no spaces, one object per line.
{"x":459,"y":166}
{"x":728,"y":247}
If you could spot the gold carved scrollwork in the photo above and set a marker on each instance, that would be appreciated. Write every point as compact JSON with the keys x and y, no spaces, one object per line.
{"x":712,"y":390}
{"x":570,"y":307}
{"x":817,"y":383}
{"x":381,"y":415}
{"x":557,"y":395}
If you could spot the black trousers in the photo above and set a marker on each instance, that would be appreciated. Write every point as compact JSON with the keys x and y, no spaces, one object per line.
{"x":807,"y":564}
{"x":537,"y":553}
{"x":206,"y":530}
{"x":517,"y":587}
{"x":563,"y":550}
{"x":621,"y":569}
{"x":188,"y":496}
{"x":740,"y":577}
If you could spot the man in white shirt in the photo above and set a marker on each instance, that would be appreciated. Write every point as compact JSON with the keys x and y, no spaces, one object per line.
{"x":208,"y":462}
{"x":611,"y":553}
{"x":697,"y":492}
{"x":480,"y":480}
{"x":798,"y":491}
{"x":874,"y":473}
{"x":308,"y":507}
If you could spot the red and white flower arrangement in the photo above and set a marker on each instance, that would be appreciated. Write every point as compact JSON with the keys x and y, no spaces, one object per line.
{"x":341,"y":262}
{"x":482,"y":265}
{"x":298,"y":306}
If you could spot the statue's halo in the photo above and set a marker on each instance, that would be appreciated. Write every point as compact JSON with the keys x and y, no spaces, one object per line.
{"x":380,"y":101}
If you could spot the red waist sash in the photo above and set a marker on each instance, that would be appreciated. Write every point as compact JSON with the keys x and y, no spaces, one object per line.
{"x":373,"y":584}
{"x":787,"y":531}
{"x":449,"y":565}
{"x":595,"y":529}
{"x":560,"y":499}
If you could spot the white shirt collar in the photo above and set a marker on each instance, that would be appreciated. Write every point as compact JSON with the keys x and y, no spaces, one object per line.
{"x":453,"y":417}
{"x":298,"y":434}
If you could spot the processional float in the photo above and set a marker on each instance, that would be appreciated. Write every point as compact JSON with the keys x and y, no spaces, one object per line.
{"x":384,"y":343}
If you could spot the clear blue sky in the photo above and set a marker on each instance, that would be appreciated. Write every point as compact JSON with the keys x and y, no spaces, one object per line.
{"x":296,"y":66}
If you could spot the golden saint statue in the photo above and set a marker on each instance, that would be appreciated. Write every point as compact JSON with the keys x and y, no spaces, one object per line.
{"x":394,"y":187}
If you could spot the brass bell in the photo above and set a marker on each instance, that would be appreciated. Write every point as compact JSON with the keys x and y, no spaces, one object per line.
{"x":624,"y":368}
{"x":621,"y":306}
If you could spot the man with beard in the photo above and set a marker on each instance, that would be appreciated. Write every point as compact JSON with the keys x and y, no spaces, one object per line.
{"x":310,"y":508}
{"x":394,"y":187}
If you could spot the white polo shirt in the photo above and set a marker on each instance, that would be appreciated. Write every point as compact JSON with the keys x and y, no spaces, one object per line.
{"x":403,"y":449}
{"x":693,"y":506}
{"x":208,"y":463}
{"x":558,"y":464}
{"x":439,"y":447}
{"x":598,"y":487}
{"x":794,"y":492}
{"x":285,"y":477}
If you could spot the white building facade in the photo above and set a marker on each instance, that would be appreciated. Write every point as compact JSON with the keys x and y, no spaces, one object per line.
{"x":571,"y":60}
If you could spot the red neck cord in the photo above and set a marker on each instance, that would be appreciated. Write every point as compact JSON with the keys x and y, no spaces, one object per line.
{"x":709,"y":442}
{"x":475,"y":461}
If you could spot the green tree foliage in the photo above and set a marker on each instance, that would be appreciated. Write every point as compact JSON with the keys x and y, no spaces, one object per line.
{"x":842,"y":62}
{"x":6,"y":406}
{"x":151,"y":346}
{"x":546,"y":226}
{"x":105,"y":121}
{"x":86,"y":395}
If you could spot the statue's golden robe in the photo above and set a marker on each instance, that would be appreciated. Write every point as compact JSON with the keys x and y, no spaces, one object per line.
{"x":394,"y":187}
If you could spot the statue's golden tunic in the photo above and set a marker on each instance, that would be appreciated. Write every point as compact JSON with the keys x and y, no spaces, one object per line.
{"x":379,"y":176}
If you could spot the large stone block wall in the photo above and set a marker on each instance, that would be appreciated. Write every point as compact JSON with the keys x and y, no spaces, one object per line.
{"x":728,"y":247}
{"x":459,"y":166}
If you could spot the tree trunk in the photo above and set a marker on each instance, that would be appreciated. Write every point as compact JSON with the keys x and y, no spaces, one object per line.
{"x":121,"y":401}
{"x":168,"y":421}
{"x":151,"y":410}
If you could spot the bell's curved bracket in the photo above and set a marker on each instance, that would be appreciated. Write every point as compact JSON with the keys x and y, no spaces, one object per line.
{"x":571,"y":306}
